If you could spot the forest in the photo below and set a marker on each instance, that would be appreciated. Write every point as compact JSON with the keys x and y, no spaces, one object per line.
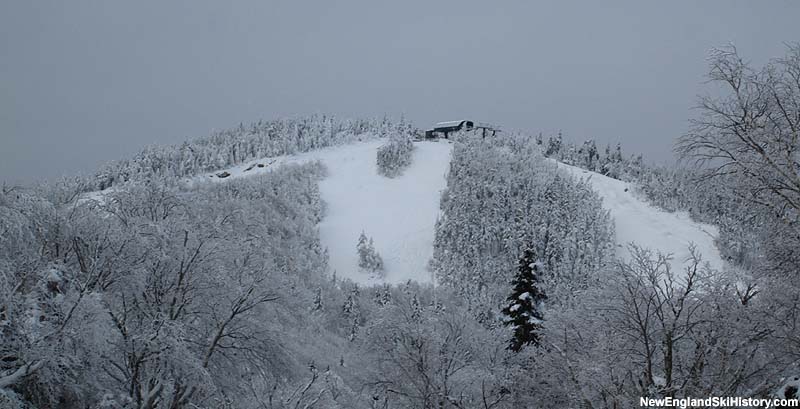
{"x":159,"y":292}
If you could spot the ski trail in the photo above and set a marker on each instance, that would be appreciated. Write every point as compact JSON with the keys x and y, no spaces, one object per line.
{"x":638,"y":222}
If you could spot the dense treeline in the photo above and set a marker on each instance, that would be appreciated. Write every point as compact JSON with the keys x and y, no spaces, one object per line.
{"x":609,"y":162}
{"x":237,"y":145}
{"x":158,"y":295}
{"x":502,"y":197}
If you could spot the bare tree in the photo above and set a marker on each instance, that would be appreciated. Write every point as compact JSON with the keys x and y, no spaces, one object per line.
{"x":752,"y":130}
{"x":650,"y":330}
{"x":430,"y":359}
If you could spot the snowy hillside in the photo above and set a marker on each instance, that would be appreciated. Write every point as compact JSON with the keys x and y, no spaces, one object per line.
{"x":647,"y":226}
{"x":398,"y":213}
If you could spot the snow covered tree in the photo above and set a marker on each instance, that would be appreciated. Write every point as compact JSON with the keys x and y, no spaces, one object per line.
{"x":589,"y":156}
{"x":244,"y":143}
{"x":753,"y":130}
{"x":432,"y":359}
{"x":395,"y":155}
{"x":502,"y":195}
{"x":362,"y":248}
{"x":416,"y":308}
{"x":368,"y":258}
{"x":159,"y":295}
{"x":525,"y":302}
{"x":350,"y":307}
{"x":386,"y":296}
{"x":317,"y":306}
{"x":352,"y":313}
{"x":553,"y":146}
{"x":383,"y":295}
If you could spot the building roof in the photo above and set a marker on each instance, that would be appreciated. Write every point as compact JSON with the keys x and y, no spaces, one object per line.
{"x":457,"y":123}
{"x":450,"y":123}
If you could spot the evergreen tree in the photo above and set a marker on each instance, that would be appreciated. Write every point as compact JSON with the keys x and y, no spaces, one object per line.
{"x":386,"y":297}
{"x":354,"y":326}
{"x":317,"y":300}
{"x":604,"y":167}
{"x":383,"y":296}
{"x":350,"y":307}
{"x":376,"y":262}
{"x":416,"y":309}
{"x":362,"y":248}
{"x":407,"y":290}
{"x":590,"y":155}
{"x":368,"y":257}
{"x":524,"y":303}
{"x":553,"y":146}
{"x":352,"y":313}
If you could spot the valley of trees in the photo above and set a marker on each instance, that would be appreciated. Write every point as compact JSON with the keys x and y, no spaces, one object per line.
{"x":160,"y":293}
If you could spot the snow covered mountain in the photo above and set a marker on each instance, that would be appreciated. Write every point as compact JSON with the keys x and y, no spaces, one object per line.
{"x":400,"y":213}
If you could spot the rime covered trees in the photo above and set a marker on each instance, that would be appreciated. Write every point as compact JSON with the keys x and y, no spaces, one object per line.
{"x":368,"y":258}
{"x":747,"y":141}
{"x":502,"y":195}
{"x":553,"y":145}
{"x":423,"y":354}
{"x":158,"y":295}
{"x":245,"y":142}
{"x":524,"y":303}
{"x":610,"y":163}
{"x":647,"y":329}
{"x":395,"y":155}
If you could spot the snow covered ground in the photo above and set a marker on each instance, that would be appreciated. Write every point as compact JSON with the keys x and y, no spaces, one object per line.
{"x":637,"y":221}
{"x":398,"y":213}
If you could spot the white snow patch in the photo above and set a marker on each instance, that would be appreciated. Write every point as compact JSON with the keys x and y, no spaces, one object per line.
{"x":638,"y":222}
{"x":398,"y":213}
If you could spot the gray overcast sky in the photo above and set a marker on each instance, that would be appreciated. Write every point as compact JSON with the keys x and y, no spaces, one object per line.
{"x":86,"y":82}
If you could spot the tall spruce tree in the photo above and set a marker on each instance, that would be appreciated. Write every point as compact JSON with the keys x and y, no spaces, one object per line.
{"x":524,"y":302}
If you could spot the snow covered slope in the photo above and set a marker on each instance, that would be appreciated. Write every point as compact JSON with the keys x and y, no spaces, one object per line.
{"x":398,"y":213}
{"x":636,"y":221}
